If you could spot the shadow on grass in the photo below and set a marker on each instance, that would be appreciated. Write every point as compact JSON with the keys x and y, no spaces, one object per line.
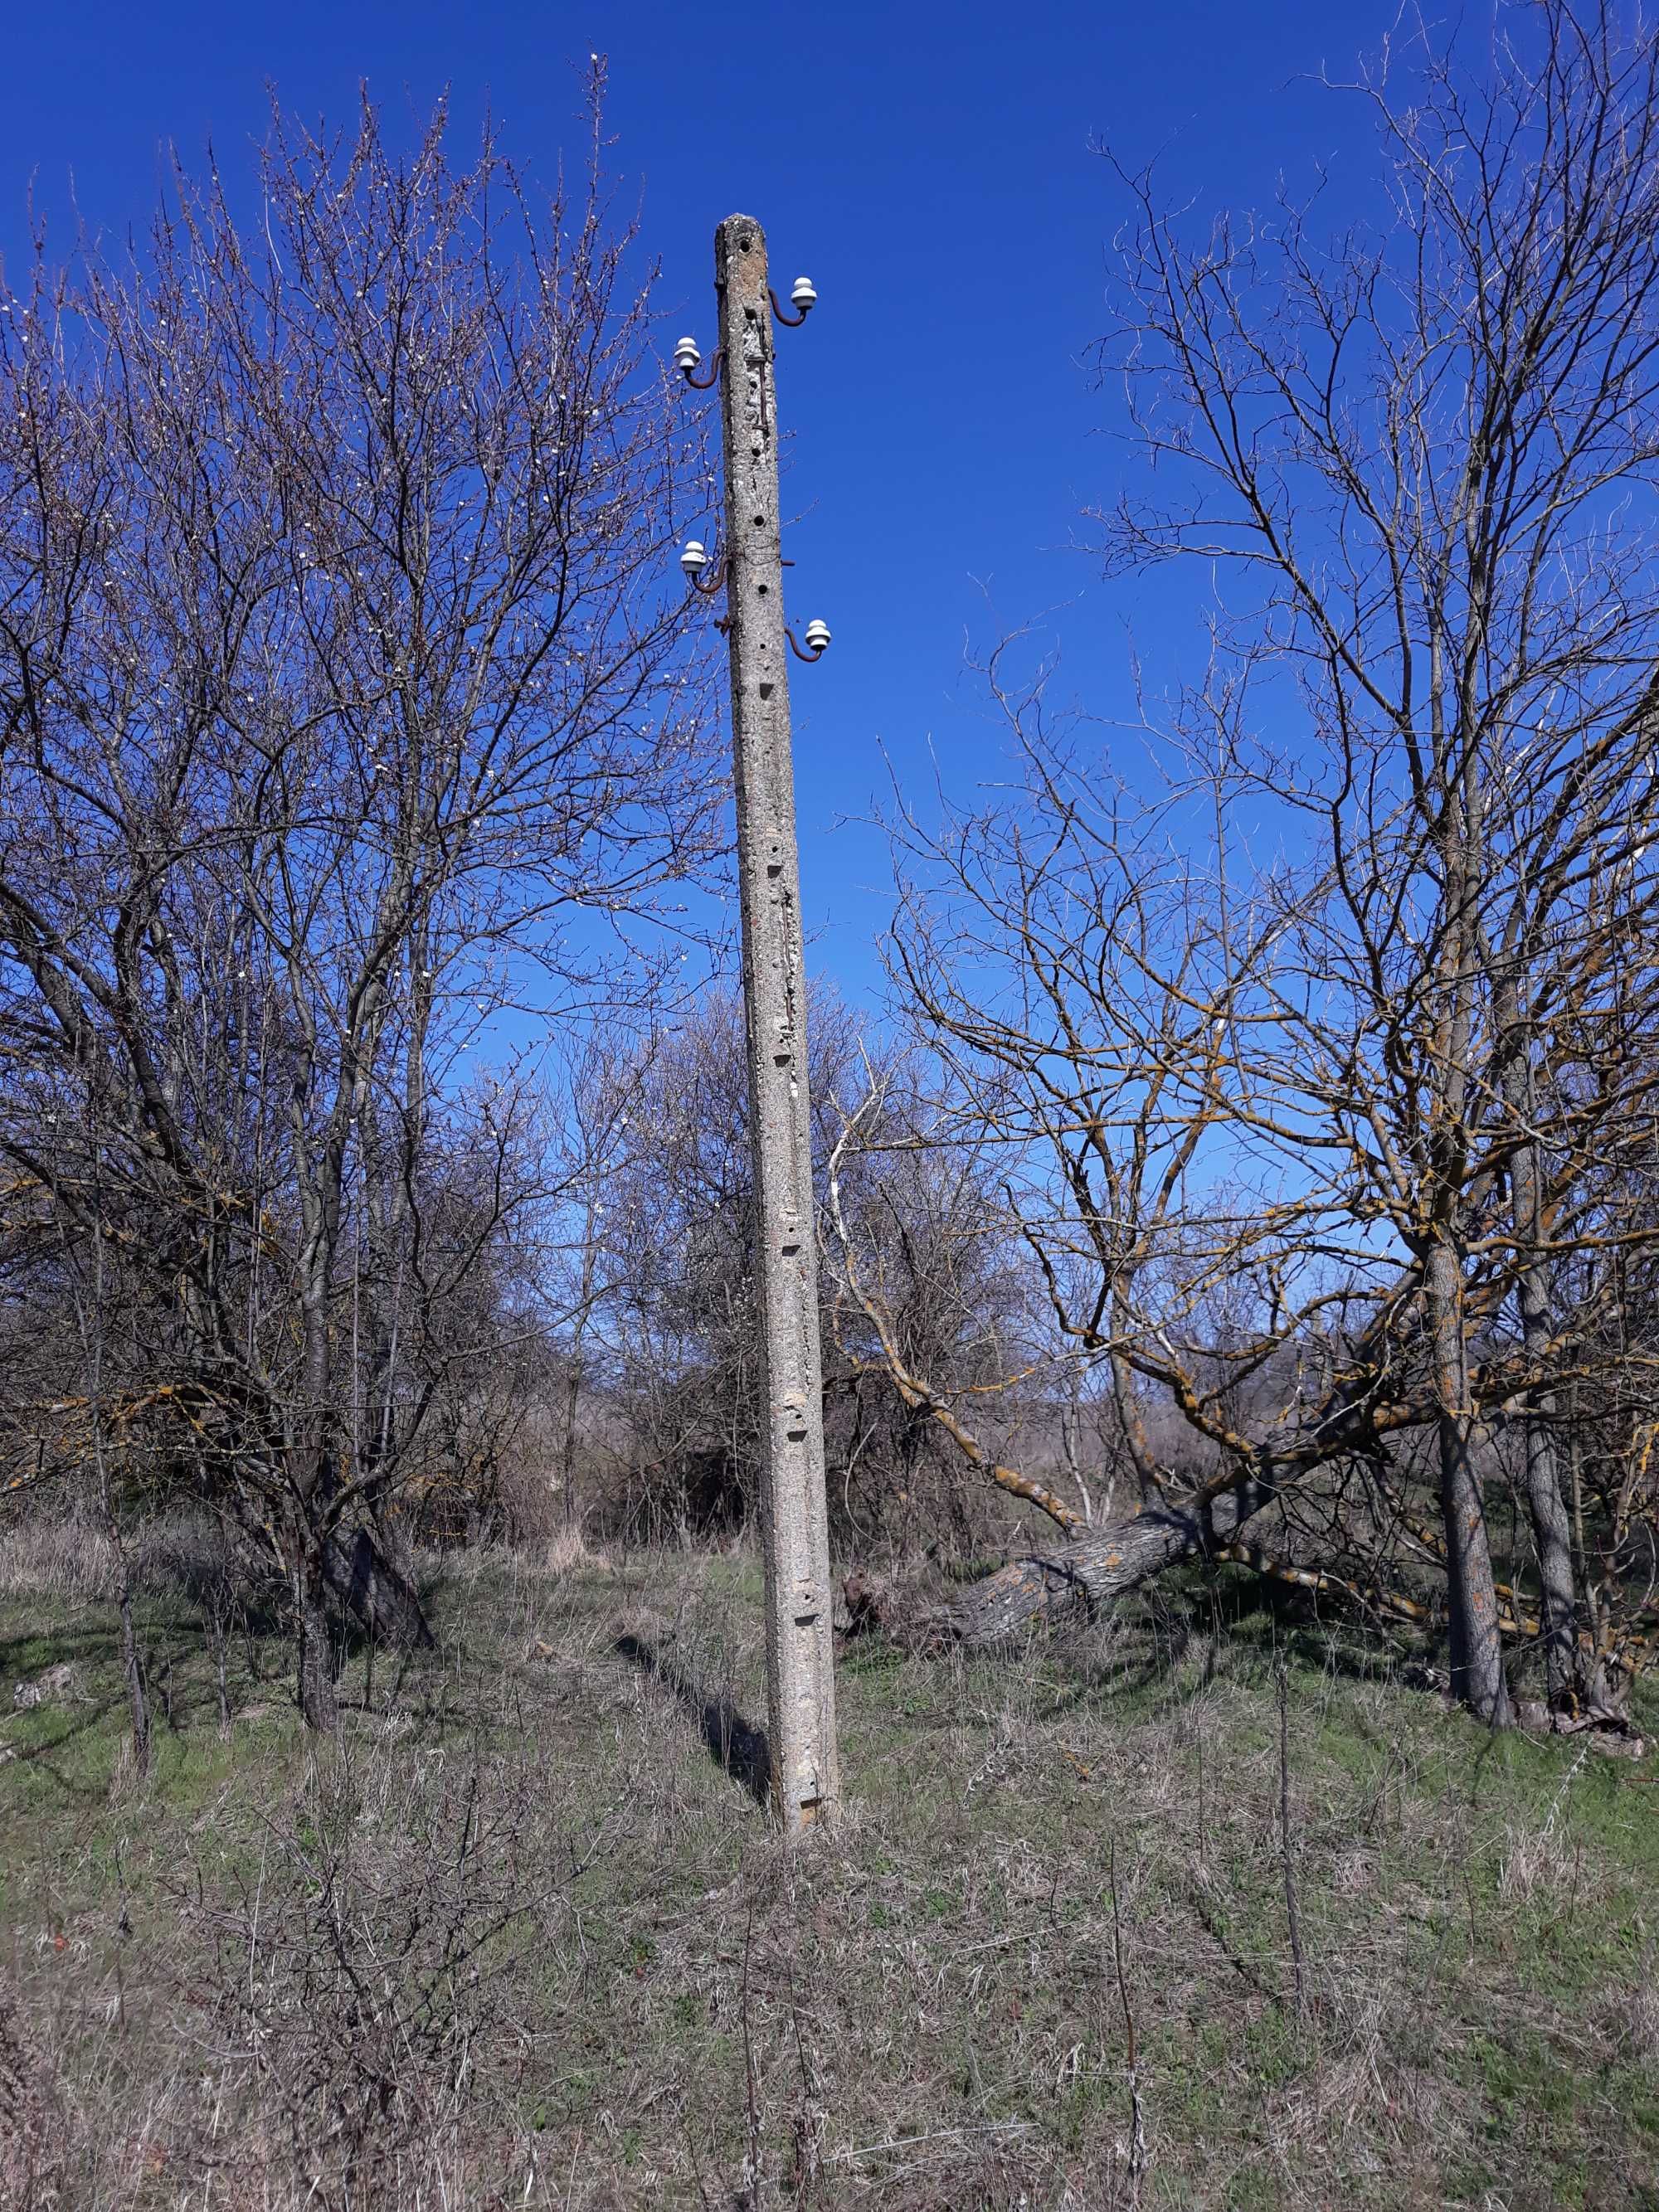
{"x":39,"y":1740}
{"x":1144,"y":1646}
{"x":31,"y":1650}
{"x":733,"y":1745}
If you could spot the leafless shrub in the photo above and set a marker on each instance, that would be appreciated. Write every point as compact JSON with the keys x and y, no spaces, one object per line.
{"x":31,"y":2121}
{"x":372,"y":1961}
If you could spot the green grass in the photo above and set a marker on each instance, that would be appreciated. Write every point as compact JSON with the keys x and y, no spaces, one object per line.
{"x":518,"y":1937}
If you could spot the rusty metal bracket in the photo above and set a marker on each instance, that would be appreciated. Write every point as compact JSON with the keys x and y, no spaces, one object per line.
{"x":719,"y":571}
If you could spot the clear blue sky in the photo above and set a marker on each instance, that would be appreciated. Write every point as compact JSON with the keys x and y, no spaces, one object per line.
{"x":928,"y":165}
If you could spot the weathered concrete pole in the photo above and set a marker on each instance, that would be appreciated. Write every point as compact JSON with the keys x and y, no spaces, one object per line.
{"x":800,"y":1636}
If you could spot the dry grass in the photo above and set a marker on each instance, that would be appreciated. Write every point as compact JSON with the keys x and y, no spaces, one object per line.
{"x":522,"y":1937}
{"x":54,"y":1556}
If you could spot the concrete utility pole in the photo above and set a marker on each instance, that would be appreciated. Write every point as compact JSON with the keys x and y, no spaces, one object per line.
{"x":799,"y":1635}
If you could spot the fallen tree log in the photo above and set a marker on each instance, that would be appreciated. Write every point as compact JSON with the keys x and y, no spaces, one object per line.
{"x":1097,"y":1566}
{"x":1092,"y":1571}
{"x":1120,"y":1557}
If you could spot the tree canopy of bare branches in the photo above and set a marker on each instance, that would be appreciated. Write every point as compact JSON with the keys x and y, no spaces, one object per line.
{"x":1321,"y":1049}
{"x":342,"y":715}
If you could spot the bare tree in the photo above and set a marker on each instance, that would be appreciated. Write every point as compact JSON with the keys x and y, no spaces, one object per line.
{"x":343,"y":715}
{"x":660,"y":1266}
{"x":1343,"y":1012}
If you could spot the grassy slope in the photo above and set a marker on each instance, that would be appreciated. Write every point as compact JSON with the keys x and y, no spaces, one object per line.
{"x":521,"y":1940}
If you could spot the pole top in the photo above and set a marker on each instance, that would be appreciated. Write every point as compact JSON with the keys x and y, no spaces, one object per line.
{"x":739,"y":236}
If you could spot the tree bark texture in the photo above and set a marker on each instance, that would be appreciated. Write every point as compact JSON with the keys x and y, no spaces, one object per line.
{"x":1546,"y":1507}
{"x":318,"y":1703}
{"x":1093,"y":1570}
{"x":1476,"y":1639}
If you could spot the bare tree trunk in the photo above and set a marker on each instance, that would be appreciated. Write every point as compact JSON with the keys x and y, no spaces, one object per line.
{"x":132,"y":1666}
{"x":220,"y":1667}
{"x":1477,"y":1655}
{"x":1551,"y":1530}
{"x":572,"y":1391}
{"x":92,"y":1336}
{"x":1596,"y":1673}
{"x":1552,"y":1534}
{"x":567,"y":1467}
{"x":318,"y":1703}
{"x":133,"y":1660}
{"x":361,"y":1575}
{"x":1547,"y":1509}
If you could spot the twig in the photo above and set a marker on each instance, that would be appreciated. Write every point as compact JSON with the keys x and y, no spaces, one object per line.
{"x":1202,"y":1840}
{"x":890,"y":2143}
{"x":808,"y":2121}
{"x":1137,"y":2116}
{"x":753,"y":2161}
{"x":1292,"y":1916}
